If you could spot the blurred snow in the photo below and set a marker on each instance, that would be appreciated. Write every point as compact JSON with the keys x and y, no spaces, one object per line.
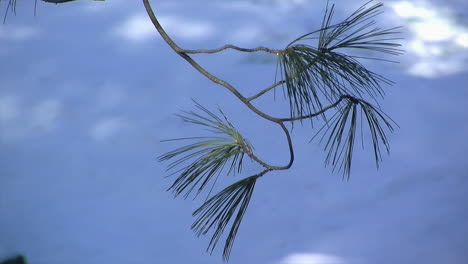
{"x":435,"y":39}
{"x":308,"y":258}
{"x":88,"y":90}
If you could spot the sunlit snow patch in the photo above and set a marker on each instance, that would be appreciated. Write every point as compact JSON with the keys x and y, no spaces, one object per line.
{"x":45,"y":115}
{"x":310,"y":258}
{"x":9,"y":109}
{"x":436,"y":40}
{"x":18,"y":33}
{"x":140,"y":28}
{"x":19,"y":120}
{"x":462,"y":40}
{"x":107,"y":128}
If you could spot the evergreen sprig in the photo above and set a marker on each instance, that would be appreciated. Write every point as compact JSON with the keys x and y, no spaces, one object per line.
{"x":219,"y":209}
{"x":208,"y":156}
{"x":341,"y":132}
{"x":313,"y":75}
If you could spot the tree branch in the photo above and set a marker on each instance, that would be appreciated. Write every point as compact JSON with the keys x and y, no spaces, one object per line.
{"x":199,"y":68}
{"x":323,"y":110}
{"x":210,"y":51}
{"x":233,"y":90}
{"x":291,"y":149}
{"x":215,"y":79}
{"x":302,"y":81}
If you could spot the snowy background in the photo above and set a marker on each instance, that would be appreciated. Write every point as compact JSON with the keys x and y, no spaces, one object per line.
{"x":89,"y":89}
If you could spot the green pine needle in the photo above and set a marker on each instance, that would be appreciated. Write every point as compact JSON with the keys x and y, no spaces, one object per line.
{"x":198,"y":163}
{"x":218,"y":211}
{"x":341,"y":131}
{"x":314,"y":76}
{"x":11,"y":6}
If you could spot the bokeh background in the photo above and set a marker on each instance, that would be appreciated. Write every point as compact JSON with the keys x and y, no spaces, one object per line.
{"x":89,"y":89}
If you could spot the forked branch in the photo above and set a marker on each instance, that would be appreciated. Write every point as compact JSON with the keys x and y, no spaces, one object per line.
{"x":311,"y":77}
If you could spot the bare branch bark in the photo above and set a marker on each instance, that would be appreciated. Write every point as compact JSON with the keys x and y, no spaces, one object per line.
{"x":322,"y":111}
{"x":229,"y":46}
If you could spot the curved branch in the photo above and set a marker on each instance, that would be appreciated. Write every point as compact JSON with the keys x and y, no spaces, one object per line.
{"x":302,"y":81}
{"x":270,"y":167}
{"x":260,"y":174}
{"x":322,"y":111}
{"x":255,"y":158}
{"x":210,"y":51}
{"x":245,"y":100}
{"x":199,"y":68}
{"x":291,"y":149}
{"x":216,"y":80}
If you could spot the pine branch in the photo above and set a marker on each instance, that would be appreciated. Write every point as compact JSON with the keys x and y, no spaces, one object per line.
{"x":206,"y":160}
{"x":219,"y":81}
{"x":310,"y":76}
{"x":229,"y":46}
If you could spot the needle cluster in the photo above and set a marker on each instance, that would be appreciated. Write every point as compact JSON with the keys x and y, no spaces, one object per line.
{"x":315,"y":75}
{"x":342,"y":128}
{"x":204,"y":160}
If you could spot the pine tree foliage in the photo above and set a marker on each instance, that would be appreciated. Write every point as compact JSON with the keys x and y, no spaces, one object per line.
{"x":342,"y":128}
{"x":208,"y":156}
{"x":318,"y":75}
{"x":206,"y":160}
{"x":319,"y":71}
{"x":218,"y":210}
{"x":313,"y":77}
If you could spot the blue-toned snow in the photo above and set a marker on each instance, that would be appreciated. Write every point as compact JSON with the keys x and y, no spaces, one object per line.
{"x":88,"y":90}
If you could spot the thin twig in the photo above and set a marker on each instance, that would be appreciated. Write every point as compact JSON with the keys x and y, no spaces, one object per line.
{"x":266,"y":90}
{"x":291,"y":149}
{"x":229,"y":46}
{"x":260,"y":174}
{"x":322,"y":111}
